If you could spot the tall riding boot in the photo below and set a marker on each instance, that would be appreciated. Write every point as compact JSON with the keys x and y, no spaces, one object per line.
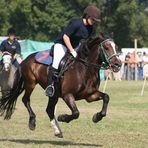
{"x":52,"y":77}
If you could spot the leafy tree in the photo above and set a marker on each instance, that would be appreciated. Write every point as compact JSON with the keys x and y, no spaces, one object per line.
{"x":20,"y":11}
{"x":44,"y":19}
{"x":4,"y":23}
{"x":49,"y":17}
{"x":127,"y":20}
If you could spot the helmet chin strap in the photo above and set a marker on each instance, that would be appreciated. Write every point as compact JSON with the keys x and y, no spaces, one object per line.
{"x":87,"y":20}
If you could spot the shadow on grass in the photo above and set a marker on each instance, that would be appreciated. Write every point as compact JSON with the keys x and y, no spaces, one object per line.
{"x":60,"y":143}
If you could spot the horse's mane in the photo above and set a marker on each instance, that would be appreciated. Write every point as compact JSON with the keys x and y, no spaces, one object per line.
{"x":83,"y":49}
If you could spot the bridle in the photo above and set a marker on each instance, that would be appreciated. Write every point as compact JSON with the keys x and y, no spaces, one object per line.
{"x":104,"y":56}
{"x":103,"y":53}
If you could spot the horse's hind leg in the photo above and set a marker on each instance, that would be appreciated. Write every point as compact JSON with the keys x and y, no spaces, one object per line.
{"x":70,"y":101}
{"x":51,"y":111}
{"x":96,"y":97}
{"x":26,"y":100}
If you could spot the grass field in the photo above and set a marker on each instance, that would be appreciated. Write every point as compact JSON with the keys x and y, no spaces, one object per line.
{"x":125,"y":126}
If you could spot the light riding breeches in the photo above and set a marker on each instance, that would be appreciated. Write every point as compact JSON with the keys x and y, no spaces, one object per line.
{"x":58,"y":53}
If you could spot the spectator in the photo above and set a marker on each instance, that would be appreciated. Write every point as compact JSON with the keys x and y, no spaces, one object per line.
{"x":139,"y":65}
{"x":117,"y":75}
{"x":133,"y":60}
{"x":108,"y":73}
{"x":125,"y":73}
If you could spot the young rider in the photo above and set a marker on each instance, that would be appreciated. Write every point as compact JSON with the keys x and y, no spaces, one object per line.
{"x":69,"y":39}
{"x":11,"y":45}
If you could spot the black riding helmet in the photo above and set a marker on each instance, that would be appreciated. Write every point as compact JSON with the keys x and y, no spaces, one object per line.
{"x":11,"y":31}
{"x":92,"y":11}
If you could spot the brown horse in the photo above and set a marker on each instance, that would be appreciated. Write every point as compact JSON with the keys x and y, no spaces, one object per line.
{"x":80,"y":81}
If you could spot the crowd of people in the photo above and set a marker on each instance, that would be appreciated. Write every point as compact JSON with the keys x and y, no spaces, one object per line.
{"x":134,"y":67}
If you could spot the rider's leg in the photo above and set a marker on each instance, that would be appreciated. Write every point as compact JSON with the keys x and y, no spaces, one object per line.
{"x":52,"y":77}
{"x":59,"y":52}
{"x":15,"y":63}
{"x":14,"y":73}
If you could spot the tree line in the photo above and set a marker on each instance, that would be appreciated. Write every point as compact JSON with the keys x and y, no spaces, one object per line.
{"x":43,"y":19}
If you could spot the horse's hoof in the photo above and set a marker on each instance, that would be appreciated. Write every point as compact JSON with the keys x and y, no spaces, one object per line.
{"x":32,"y":127}
{"x":59,"y":135}
{"x":97,"y":117}
{"x":60,"y":118}
{"x":63,"y":118}
{"x":32,"y":124}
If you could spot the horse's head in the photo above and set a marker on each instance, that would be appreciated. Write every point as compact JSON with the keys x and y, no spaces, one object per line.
{"x":108,"y":52}
{"x":6,"y":58}
{"x":101,"y":48}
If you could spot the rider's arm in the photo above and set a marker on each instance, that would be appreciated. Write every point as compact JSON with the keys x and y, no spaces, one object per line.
{"x":67,"y":42}
{"x":15,"y":56}
{"x":69,"y":31}
{"x":2,"y":46}
{"x":0,"y":50}
{"x":69,"y":46}
{"x":18,"y":50}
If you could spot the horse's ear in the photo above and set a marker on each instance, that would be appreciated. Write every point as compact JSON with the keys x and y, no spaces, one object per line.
{"x":111,"y":35}
{"x":101,"y":36}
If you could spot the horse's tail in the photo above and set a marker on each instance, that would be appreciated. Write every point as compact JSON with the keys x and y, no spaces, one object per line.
{"x":8,"y":101}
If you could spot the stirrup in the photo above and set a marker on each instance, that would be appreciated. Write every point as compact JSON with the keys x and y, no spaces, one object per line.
{"x":50,"y":90}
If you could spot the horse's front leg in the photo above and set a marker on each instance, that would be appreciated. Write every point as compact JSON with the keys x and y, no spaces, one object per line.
{"x":70,"y":101}
{"x":51,"y":113}
{"x":96,"y":97}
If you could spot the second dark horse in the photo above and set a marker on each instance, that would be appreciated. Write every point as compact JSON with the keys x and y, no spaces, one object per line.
{"x":81,"y":80}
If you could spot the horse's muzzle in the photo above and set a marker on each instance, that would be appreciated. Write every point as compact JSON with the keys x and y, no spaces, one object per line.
{"x":116,"y":66}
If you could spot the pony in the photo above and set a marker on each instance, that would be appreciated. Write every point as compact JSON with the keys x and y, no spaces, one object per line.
{"x":7,"y":73}
{"x":80,"y":81}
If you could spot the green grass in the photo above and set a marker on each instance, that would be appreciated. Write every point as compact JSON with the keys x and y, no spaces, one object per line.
{"x":125,"y":126}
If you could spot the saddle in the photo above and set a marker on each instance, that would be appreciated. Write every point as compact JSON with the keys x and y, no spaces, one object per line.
{"x":46,"y":57}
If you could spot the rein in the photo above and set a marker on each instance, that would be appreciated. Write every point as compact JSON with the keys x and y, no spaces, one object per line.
{"x":89,"y":64}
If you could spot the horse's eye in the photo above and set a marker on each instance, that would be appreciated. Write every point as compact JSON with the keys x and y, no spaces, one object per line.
{"x":106,"y":49}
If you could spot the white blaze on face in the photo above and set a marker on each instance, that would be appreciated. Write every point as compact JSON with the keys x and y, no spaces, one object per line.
{"x":113,"y":46}
{"x":7,"y":61}
{"x":114,"y":49}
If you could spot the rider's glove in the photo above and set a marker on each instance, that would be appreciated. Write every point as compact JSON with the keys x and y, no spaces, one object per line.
{"x":74,"y":53}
